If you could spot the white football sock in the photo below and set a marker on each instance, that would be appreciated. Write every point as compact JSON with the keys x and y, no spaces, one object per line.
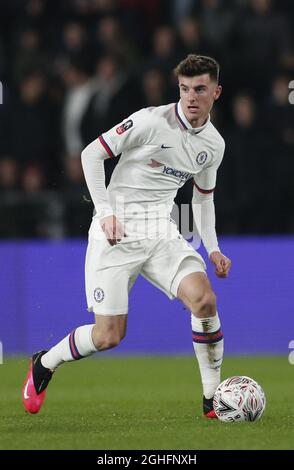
{"x":209,"y":348}
{"x":76,"y":345}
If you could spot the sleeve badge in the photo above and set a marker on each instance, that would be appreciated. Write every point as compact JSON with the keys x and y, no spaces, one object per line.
{"x":124,"y":127}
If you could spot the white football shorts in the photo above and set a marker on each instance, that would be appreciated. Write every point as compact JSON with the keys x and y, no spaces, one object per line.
{"x":110,"y":271}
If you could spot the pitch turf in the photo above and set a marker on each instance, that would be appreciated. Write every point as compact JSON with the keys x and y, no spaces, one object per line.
{"x":142,"y":403}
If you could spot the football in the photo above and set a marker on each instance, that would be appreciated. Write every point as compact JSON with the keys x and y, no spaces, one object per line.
{"x":239,"y":398}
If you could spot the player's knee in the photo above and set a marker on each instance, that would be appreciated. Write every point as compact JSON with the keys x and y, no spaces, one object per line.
{"x":205,"y":304}
{"x":110,"y":341}
{"x":107,"y":339}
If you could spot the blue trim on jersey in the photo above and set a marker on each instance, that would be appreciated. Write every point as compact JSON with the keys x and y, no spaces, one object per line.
{"x":178,"y":116}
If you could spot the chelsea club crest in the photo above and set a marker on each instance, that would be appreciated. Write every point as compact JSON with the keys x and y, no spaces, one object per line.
{"x":201,"y":158}
{"x":98,"y":294}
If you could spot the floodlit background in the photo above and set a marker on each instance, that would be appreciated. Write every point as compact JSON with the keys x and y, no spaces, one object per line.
{"x":69,"y":70}
{"x":72,"y":69}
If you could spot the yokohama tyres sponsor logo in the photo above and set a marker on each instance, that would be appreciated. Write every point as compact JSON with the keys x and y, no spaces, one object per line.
{"x":167,"y":170}
{"x":181,"y":175}
{"x":155,"y":163}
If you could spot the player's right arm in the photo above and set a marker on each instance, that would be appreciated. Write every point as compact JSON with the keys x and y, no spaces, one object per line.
{"x":131,"y":133}
{"x":93,"y":157}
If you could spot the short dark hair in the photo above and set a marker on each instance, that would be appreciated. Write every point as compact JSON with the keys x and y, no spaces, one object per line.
{"x":194,"y":65}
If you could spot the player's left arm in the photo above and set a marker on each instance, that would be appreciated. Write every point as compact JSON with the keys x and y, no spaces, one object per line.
{"x":204,"y":216}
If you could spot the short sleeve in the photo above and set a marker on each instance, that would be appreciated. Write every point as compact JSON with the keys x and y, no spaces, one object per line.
{"x":205,"y":181}
{"x":133,"y":132}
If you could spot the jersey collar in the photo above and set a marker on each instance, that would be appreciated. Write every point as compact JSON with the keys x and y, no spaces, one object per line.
{"x":184,"y":121}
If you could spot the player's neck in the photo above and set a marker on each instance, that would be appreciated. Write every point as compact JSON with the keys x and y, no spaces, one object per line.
{"x":195,"y":123}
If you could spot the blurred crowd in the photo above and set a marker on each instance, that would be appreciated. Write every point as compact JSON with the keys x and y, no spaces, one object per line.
{"x":72,"y":69}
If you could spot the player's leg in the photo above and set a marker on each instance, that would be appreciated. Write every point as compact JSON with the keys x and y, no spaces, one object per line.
{"x":84,"y":341}
{"x":110,"y":308}
{"x":188,"y":281}
{"x":106,"y":333}
{"x":195,"y":292}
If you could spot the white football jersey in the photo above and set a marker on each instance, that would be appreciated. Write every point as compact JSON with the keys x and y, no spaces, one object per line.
{"x":159,"y":152}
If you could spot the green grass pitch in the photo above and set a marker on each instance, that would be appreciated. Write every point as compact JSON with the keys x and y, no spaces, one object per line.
{"x":110,"y":403}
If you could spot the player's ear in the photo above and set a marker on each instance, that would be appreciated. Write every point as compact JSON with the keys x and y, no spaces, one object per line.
{"x":217,"y":92}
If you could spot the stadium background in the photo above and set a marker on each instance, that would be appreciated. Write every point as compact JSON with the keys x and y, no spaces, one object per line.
{"x":71,"y":69}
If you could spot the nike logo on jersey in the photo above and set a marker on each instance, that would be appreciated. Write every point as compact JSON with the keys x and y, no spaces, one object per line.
{"x":155,"y":163}
{"x":166,"y":147}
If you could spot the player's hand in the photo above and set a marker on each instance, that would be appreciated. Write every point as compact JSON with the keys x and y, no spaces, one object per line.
{"x":112,"y":229}
{"x":221,"y":262}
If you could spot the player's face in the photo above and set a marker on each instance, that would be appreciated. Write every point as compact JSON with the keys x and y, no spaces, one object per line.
{"x":197,"y":97}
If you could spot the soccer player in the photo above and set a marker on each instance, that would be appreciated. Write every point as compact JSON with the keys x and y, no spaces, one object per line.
{"x":132,"y":232}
